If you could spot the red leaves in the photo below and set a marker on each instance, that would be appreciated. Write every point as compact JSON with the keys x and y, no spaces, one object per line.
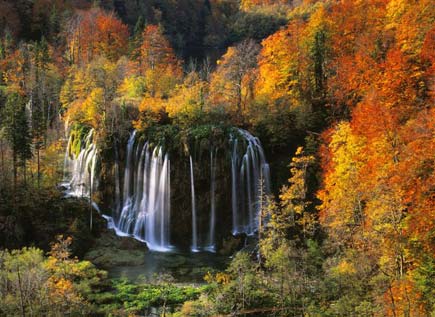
{"x":96,"y":32}
{"x":156,"y":52}
{"x":112,"y":36}
{"x":403,"y":299}
{"x":378,"y":71}
{"x":428,"y":58}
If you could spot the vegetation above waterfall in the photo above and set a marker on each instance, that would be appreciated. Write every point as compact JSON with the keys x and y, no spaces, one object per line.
{"x":168,"y":117}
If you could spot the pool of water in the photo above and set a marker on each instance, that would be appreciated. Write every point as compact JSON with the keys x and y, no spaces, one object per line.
{"x":182,"y":267}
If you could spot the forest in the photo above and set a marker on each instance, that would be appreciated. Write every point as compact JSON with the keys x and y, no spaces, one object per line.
{"x":217,"y":158}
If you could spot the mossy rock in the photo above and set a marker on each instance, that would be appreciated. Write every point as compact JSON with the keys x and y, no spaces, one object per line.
{"x":109,"y":239}
{"x":171,"y":260}
{"x":111,"y":250}
{"x":111,"y":257}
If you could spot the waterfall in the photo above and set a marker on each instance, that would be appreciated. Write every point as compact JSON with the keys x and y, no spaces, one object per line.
{"x":145,"y":212}
{"x":142,"y":188}
{"x":127,"y":213}
{"x":249,"y":171}
{"x":194,"y":247}
{"x":66,"y":163}
{"x":80,"y":171}
{"x":117,"y":183}
{"x":211,"y":234}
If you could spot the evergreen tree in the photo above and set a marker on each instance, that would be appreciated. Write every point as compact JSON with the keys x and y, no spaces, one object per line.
{"x":136,"y":40}
{"x":38,"y":131}
{"x":17,"y":132}
{"x":39,"y":108}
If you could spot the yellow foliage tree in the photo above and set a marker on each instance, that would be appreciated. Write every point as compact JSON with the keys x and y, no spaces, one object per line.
{"x":294,"y":196}
{"x":158,"y":63}
{"x":188,"y":100}
{"x":152,"y":110}
{"x":342,"y":198}
{"x":231,"y":85}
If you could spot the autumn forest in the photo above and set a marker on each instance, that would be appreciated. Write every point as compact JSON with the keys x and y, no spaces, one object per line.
{"x":217,"y":158}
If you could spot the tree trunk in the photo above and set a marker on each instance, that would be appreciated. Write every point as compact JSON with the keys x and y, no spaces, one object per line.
{"x":239,"y":96}
{"x":164,"y":308}
{"x":25,"y":173}
{"x":39,"y":167}
{"x":393,"y":304}
{"x":2,"y":154}
{"x":23,"y":311}
{"x":14,"y":164}
{"x":14,"y":190}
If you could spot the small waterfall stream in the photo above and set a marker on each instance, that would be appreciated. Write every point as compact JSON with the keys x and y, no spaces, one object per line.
{"x":250,"y":170}
{"x":211,"y":233}
{"x":80,"y":170}
{"x":194,"y":247}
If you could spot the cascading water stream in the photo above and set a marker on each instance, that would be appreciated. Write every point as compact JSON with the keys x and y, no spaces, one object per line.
{"x":145,"y":212}
{"x":66,"y":163}
{"x":212,"y":228}
{"x":79,"y":171}
{"x":250,"y":170}
{"x":126,"y":216}
{"x":194,"y":247}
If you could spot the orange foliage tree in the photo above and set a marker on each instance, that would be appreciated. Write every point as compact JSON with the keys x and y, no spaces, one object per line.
{"x":377,"y":166}
{"x":232,"y":84}
{"x":158,"y":63}
{"x":95,"y":32}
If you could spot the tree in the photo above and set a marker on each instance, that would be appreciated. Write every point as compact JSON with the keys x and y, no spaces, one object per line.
{"x":31,"y":284}
{"x":10,"y":19}
{"x":232,"y":83}
{"x":188,"y":105}
{"x":95,"y":32}
{"x":280,"y":66}
{"x":294,"y":197}
{"x":317,"y":44}
{"x":39,"y":100}
{"x":342,"y":198}
{"x":290,"y":224}
{"x":250,"y":4}
{"x":17,"y":132}
{"x":409,"y":21}
{"x":112,"y":36}
{"x":158,"y":62}
{"x":90,"y":95}
{"x":358,"y":40}
{"x":22,"y":282}
{"x":70,"y":281}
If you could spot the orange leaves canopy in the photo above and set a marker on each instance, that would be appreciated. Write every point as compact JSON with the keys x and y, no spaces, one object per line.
{"x":96,"y":32}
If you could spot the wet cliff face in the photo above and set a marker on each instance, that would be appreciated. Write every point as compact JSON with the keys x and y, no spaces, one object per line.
{"x":181,"y":204}
{"x":181,"y":219}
